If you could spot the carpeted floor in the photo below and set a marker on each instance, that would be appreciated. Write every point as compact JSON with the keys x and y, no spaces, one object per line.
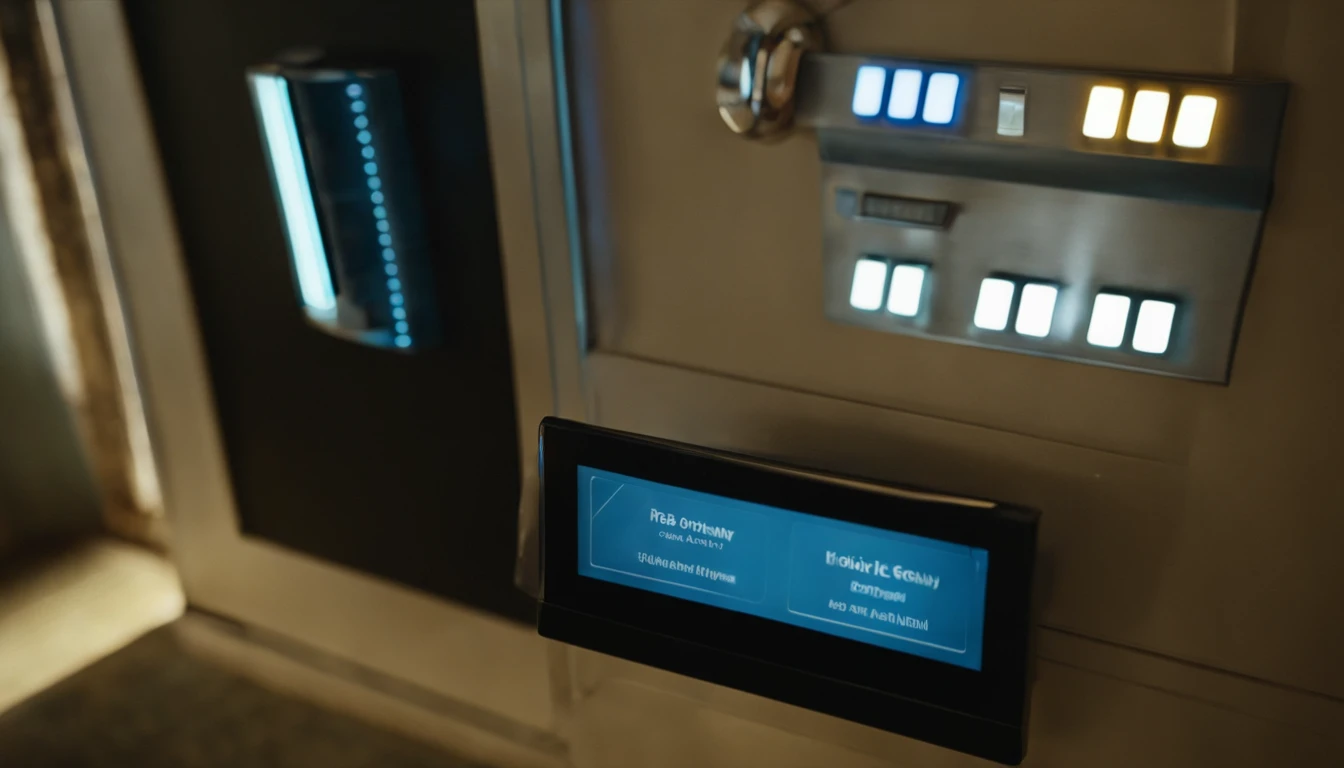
{"x":150,"y":705}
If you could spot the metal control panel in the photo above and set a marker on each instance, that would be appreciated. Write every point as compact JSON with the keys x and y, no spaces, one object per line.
{"x":1101,"y":218}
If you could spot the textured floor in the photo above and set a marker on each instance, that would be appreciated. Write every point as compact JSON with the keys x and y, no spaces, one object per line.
{"x":150,"y":705}
{"x":65,"y":607}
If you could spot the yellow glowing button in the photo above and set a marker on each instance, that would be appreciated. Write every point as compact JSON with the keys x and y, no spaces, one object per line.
{"x":1194,"y":122}
{"x":1103,"y":112}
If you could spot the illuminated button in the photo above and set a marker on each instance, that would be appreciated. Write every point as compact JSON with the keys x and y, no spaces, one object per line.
{"x":907,"y":286}
{"x":1194,"y":122}
{"x":940,"y":103}
{"x":868,"y":87}
{"x":1012,"y":111}
{"x":1036,"y":311}
{"x":1148,"y":117}
{"x":996,"y":300}
{"x":1103,"y":112}
{"x":1110,"y":314}
{"x":904,"y":102}
{"x":1152,"y":330}
{"x":870,"y":280}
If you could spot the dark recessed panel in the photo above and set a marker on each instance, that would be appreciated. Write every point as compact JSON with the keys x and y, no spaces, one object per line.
{"x":404,"y":466}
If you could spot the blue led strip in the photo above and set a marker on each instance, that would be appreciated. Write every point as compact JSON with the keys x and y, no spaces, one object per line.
{"x":395,"y":298}
{"x":290,"y":173}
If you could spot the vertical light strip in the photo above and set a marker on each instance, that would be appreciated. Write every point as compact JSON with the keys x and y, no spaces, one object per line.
{"x":395,"y":298}
{"x":296,"y":198}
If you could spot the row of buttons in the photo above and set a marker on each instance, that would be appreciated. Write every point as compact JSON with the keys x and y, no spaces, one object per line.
{"x":1028,"y":305}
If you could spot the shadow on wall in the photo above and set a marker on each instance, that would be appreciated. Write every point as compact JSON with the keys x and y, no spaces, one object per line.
{"x":46,"y":489}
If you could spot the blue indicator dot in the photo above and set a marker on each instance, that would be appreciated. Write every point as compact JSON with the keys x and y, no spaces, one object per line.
{"x":361,"y":122}
{"x":394,"y":284}
{"x":384,"y":240}
{"x":383,"y":226}
{"x":403,"y":326}
{"x":388,"y":253}
{"x":371,"y":169}
{"x":367,"y":152}
{"x":375,"y":182}
{"x":399,"y":313}
{"x":403,"y":341}
{"x":354,"y":90}
{"x":396,"y":299}
{"x":356,"y":106}
{"x":390,"y":269}
{"x":364,"y":137}
{"x":379,"y":212}
{"x":377,"y":198}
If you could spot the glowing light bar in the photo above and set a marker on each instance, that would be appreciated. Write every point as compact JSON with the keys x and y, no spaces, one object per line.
{"x":904,"y":102}
{"x":1110,"y":313}
{"x":1103,"y":112}
{"x":1148,"y":117}
{"x":868,"y":88}
{"x":940,"y":103}
{"x":907,"y":286}
{"x":1036,"y":311}
{"x":994,"y":304}
{"x":1152,"y":330}
{"x":870,"y":281}
{"x":1194,"y":122}
{"x":296,"y":198}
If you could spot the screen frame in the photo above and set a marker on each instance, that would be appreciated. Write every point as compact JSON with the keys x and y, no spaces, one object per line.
{"x":997,"y":692}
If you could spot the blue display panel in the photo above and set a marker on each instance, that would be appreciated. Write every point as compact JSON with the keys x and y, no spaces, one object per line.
{"x":906,"y":593}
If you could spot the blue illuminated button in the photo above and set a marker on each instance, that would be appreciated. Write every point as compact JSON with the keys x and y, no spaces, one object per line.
{"x":868,"y":88}
{"x":940,"y":104}
{"x":904,"y":102}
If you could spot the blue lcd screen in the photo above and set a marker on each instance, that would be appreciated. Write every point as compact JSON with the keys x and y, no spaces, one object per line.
{"x":894,"y":590}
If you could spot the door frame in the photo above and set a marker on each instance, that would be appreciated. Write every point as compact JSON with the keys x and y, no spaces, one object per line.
{"x":480,"y":660}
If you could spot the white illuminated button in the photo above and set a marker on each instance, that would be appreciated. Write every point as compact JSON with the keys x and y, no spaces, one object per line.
{"x":907,"y":286}
{"x":1012,"y":111}
{"x":904,"y":102}
{"x":1194,"y":122}
{"x":1036,"y":310}
{"x":1110,"y":313}
{"x":1152,"y":329}
{"x":1148,"y":117}
{"x":996,"y":300}
{"x":868,"y":87}
{"x":940,"y":103}
{"x":1103,"y":112}
{"x":870,"y":280}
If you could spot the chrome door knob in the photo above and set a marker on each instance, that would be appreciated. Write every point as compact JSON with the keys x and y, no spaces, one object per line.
{"x":758,"y":67}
